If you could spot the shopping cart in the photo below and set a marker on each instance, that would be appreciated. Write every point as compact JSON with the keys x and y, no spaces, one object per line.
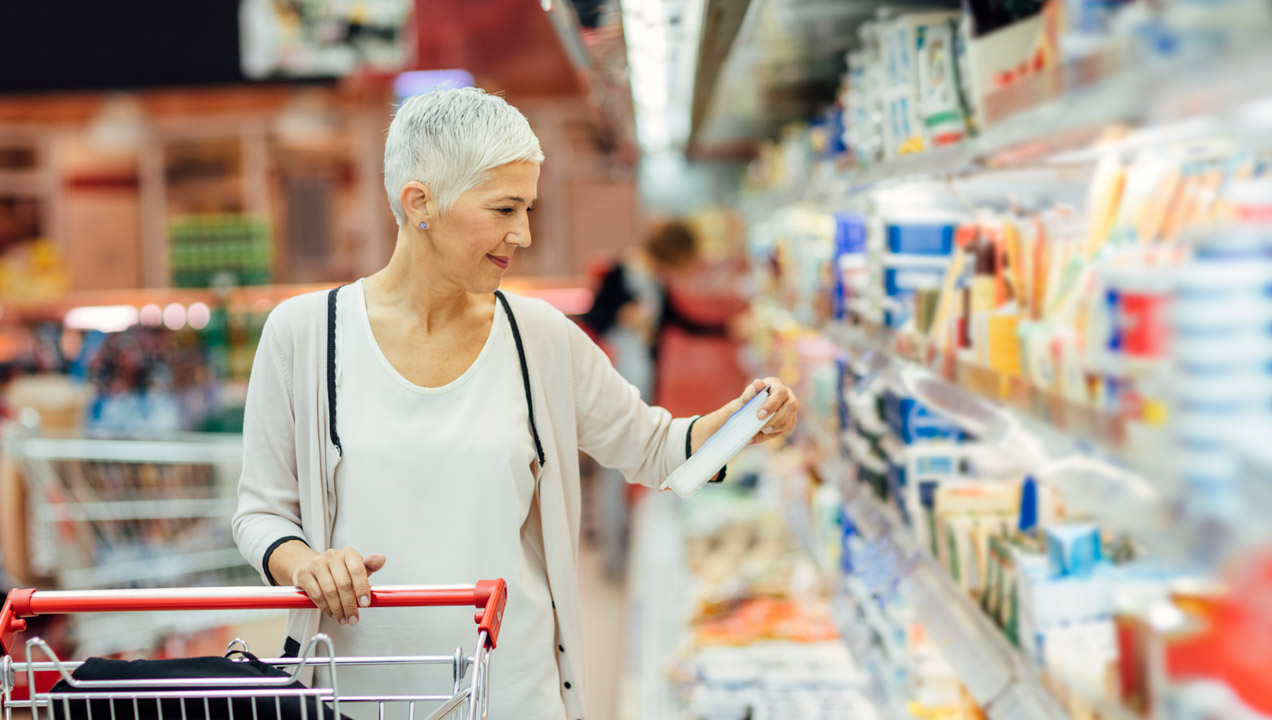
{"x":162,"y":699}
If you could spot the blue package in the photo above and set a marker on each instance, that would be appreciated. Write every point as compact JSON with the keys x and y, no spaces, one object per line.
{"x":850,"y":239}
{"x":1073,"y":550}
{"x":911,"y":421}
{"x":902,"y":276}
{"x":1028,"y":518}
{"x":903,"y":280}
{"x":921,"y":238}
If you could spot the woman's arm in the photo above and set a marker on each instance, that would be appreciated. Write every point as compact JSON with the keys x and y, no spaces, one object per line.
{"x":615,"y":426}
{"x":268,"y":526}
{"x":618,"y":429}
{"x":269,"y":491}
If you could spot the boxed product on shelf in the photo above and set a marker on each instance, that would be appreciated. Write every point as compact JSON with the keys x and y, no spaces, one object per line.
{"x":910,"y":283}
{"x":205,"y":248}
{"x":851,"y":277}
{"x":944,"y":120}
{"x":911,"y":420}
{"x":917,"y":55}
{"x":863,"y":132}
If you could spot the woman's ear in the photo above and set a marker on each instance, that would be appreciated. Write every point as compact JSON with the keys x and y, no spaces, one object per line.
{"x":418,"y":203}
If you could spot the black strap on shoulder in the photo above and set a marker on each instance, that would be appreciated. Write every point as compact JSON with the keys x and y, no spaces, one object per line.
{"x":331,"y":372}
{"x":331,"y":369}
{"x":525,"y":375}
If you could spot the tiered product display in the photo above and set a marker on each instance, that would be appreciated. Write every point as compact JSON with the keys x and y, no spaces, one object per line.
{"x":1026,"y":304}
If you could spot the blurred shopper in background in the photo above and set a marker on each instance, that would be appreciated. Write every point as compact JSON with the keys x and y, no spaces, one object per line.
{"x":633,"y":306}
{"x":433,"y":422}
{"x":631,"y":310}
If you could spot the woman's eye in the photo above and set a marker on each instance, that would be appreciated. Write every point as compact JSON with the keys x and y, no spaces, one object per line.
{"x":506,"y":211}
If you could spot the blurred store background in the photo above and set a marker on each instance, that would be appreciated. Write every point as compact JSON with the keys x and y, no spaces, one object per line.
{"x":1015,"y":257}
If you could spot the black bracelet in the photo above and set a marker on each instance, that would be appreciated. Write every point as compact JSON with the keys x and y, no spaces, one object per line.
{"x":689,"y":451}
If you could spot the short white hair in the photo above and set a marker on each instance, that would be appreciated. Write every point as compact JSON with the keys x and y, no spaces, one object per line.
{"x":449,"y":140}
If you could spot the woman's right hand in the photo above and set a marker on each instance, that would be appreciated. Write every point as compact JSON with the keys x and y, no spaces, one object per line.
{"x":338,"y":582}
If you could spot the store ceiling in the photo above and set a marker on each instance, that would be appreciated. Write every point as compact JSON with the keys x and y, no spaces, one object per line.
{"x":784,"y":64}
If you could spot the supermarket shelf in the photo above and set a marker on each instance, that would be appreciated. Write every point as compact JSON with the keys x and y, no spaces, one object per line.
{"x":1100,"y":463}
{"x":947,"y":161}
{"x":852,"y":593}
{"x":151,"y":569}
{"x":848,"y":593}
{"x":977,"y":650}
{"x":137,"y":510}
{"x":189,"y":449}
{"x":1061,"y":129}
{"x":994,"y":673}
{"x":959,"y":375}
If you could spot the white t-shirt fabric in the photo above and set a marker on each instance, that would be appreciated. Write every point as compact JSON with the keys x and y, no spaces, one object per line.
{"x":439,"y":480}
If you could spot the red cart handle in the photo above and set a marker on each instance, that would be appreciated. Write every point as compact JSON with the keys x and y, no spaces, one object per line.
{"x":489,"y":595}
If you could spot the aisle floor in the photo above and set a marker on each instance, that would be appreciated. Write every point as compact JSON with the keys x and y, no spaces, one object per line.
{"x":605,"y":629}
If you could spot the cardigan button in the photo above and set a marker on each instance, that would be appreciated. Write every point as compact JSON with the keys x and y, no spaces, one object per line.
{"x":567,"y":686}
{"x":561,"y":648}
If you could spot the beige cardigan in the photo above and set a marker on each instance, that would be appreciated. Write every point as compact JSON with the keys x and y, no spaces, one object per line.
{"x":580,"y":403}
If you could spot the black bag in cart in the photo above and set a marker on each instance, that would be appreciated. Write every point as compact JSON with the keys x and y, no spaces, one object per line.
{"x":191,"y":707}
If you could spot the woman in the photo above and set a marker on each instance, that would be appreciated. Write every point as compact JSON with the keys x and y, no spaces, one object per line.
{"x":422,"y":426}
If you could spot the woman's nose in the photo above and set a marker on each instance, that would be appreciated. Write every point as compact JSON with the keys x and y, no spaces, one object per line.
{"x":521,"y":236}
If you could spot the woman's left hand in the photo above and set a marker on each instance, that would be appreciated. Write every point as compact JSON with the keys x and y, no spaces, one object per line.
{"x":781,"y":406}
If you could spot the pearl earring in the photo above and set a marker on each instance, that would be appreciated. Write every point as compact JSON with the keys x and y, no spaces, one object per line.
{"x":423,"y":226}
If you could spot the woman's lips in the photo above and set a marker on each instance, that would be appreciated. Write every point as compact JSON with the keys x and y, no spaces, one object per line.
{"x":502,"y":262}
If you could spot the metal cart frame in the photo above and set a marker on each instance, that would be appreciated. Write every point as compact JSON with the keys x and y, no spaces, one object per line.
{"x":469,"y":700}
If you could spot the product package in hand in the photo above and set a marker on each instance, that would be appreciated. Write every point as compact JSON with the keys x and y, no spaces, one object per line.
{"x":720,"y":448}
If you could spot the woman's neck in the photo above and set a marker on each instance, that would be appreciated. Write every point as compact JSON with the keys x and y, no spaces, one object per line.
{"x":410,"y":284}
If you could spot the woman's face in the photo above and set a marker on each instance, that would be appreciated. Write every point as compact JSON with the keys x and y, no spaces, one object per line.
{"x":476,"y":239}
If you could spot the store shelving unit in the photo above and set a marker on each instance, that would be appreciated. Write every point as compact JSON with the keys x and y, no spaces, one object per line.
{"x":996,"y":674}
{"x":1097,"y":460}
{"x":852,"y":599}
{"x":110,"y":512}
{"x":1177,"y":102}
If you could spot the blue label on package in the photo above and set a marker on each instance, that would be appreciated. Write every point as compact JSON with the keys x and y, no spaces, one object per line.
{"x":921,"y":239}
{"x":911,"y":420}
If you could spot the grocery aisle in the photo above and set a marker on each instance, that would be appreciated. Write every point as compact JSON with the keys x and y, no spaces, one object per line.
{"x":1013,"y":259}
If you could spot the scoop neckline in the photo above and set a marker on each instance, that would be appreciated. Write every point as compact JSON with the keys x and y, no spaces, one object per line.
{"x":364,"y":319}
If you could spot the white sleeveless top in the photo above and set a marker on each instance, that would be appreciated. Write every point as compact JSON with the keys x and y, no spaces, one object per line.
{"x":439,"y":480}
